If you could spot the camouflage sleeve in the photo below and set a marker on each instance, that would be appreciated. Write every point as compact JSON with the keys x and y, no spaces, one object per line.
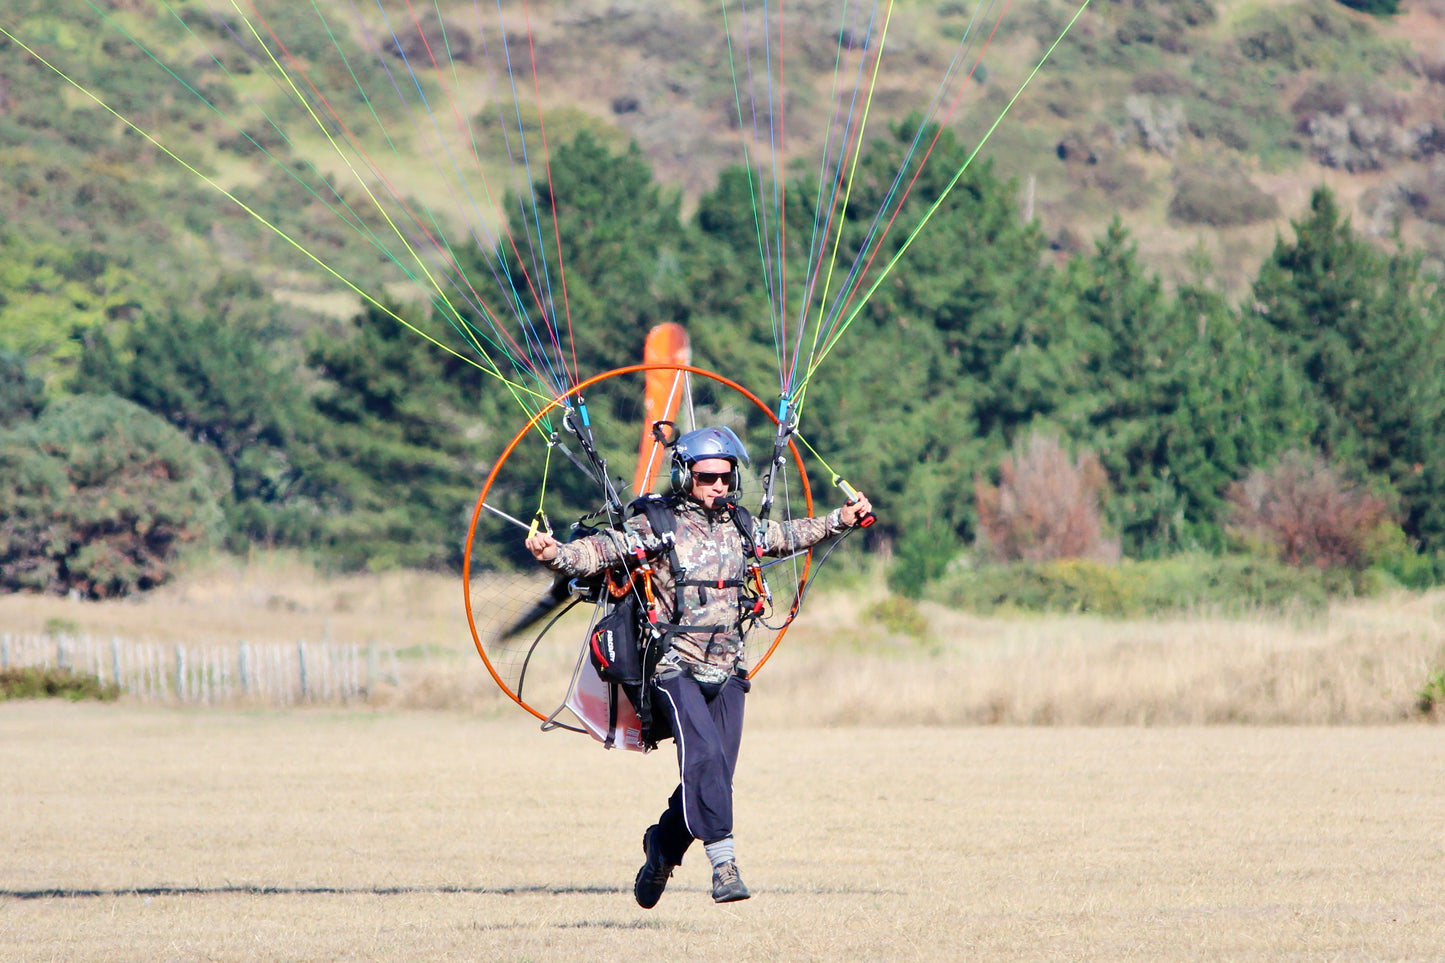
{"x":796,"y":534}
{"x":590,"y":555}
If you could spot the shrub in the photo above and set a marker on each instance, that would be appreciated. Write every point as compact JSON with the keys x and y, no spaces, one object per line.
{"x":899,"y":615}
{"x":1070,"y":586}
{"x":1125,"y":184}
{"x":1425,"y":193}
{"x":1160,"y":83}
{"x":922,"y":554}
{"x":1160,"y":126}
{"x":1431,"y":701}
{"x":1392,"y":553}
{"x":431,"y":38}
{"x":1270,"y":36}
{"x":1045,"y":506}
{"x":1359,"y":139}
{"x":97,"y":496}
{"x":1231,"y":585}
{"x":1375,"y":8}
{"x":1324,"y":95}
{"x":37,"y":683}
{"x":1219,"y":199}
{"x":1305,"y":512}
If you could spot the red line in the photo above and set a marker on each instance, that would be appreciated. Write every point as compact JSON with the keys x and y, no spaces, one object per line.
{"x":858,"y":282}
{"x":439,"y":247}
{"x":854,"y":113}
{"x":486,"y":185}
{"x":782,"y":163}
{"x":551,"y":192}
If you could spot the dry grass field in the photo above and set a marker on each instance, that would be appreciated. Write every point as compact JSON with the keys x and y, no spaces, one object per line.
{"x":145,"y":834}
{"x":1192,"y":789}
{"x":1362,"y":661}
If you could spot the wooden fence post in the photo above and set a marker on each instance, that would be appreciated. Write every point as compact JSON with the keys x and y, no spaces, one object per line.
{"x":301,"y":662}
{"x":180,"y":673}
{"x":243,"y":666}
{"x":323,"y":672}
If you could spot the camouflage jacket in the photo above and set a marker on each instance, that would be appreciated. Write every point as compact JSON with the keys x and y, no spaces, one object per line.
{"x":709,"y":546}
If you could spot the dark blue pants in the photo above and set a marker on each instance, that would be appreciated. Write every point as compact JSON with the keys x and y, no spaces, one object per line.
{"x":708,"y":729}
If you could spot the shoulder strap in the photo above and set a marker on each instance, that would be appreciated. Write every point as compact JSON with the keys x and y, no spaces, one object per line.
{"x":748,"y":529}
{"x":661,"y":516}
{"x":659,"y":512}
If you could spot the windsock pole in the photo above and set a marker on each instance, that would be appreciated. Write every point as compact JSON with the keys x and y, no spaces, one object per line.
{"x":666,"y":344}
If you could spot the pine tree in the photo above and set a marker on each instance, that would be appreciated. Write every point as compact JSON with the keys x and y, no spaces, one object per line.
{"x":1179,"y":399}
{"x":1364,"y":329}
{"x":396,"y":454}
{"x":618,"y":271}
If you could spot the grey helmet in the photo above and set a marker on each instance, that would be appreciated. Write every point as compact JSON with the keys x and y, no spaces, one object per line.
{"x":701,"y":444}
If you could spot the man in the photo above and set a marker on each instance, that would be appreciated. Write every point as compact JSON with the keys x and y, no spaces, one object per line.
{"x":701,"y":679}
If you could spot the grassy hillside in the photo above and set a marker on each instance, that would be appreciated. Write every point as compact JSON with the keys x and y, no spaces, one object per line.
{"x":1203,"y":124}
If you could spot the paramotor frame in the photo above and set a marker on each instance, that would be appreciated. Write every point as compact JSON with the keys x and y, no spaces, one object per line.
{"x":488,"y":633}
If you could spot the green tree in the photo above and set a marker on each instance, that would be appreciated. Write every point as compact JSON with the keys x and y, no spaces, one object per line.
{"x":99,"y":496}
{"x":959,"y":348}
{"x":974,"y":273}
{"x":1178,"y":400}
{"x":47,"y":290}
{"x":1364,"y":329}
{"x":1239,"y":405}
{"x":21,"y":396}
{"x":1131,"y":360}
{"x":398,"y":455}
{"x":618,"y":271}
{"x":226,"y":380}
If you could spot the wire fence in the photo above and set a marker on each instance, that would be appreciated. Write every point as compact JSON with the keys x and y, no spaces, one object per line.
{"x":273,"y":674}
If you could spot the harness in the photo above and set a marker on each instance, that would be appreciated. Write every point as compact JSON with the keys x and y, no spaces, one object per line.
{"x":753,"y":591}
{"x":631,"y":587}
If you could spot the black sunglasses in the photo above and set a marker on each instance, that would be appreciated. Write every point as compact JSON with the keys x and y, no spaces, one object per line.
{"x":712,"y":477}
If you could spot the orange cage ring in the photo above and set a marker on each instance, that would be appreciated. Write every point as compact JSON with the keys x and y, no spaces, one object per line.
{"x":552,"y":405}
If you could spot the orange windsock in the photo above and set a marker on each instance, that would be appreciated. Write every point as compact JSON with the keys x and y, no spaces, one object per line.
{"x":666,"y":344}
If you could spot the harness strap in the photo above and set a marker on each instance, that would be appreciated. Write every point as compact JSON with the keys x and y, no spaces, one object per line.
{"x":717,"y":583}
{"x":661,"y":517}
{"x":673,"y":628}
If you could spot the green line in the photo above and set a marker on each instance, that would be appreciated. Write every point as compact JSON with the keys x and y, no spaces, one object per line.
{"x":852,"y":173}
{"x":458,"y":323}
{"x":752,"y":187}
{"x":439,"y":299}
{"x":493,"y":370}
{"x":344,"y":212}
{"x":345,"y":158}
{"x":452,"y":314}
{"x":943,"y":196}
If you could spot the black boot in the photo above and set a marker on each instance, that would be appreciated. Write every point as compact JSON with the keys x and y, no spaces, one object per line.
{"x":652,"y":877}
